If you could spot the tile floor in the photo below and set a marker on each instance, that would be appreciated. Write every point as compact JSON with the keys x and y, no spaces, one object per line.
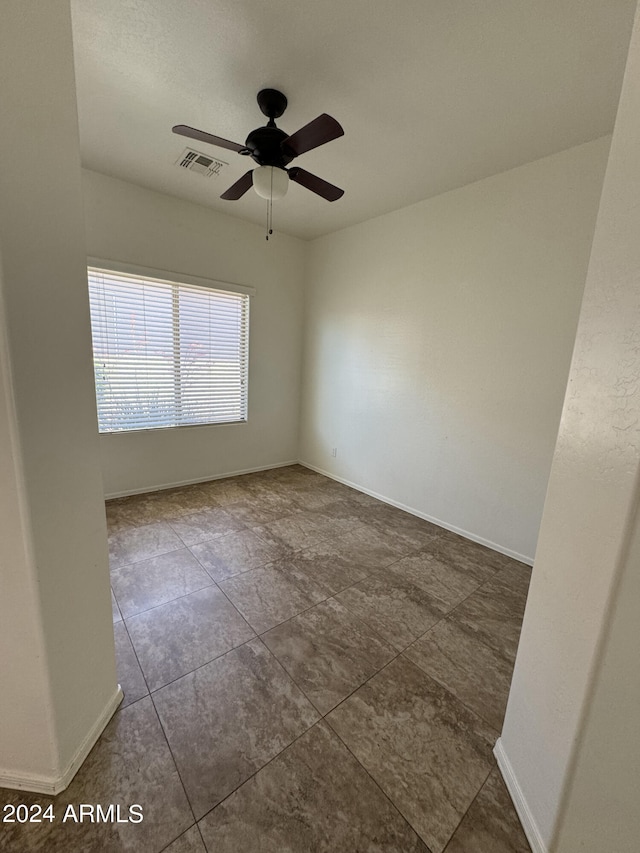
{"x":305,"y":669}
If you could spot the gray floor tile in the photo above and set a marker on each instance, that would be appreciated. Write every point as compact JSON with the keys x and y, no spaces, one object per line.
{"x":204,"y":525}
{"x":151,"y":507}
{"x":426,"y":750}
{"x":235,"y":553}
{"x":491,"y":824}
{"x":517,"y":578}
{"x":189,"y":842}
{"x":177,"y":637}
{"x":227,"y":719}
{"x":130,"y":764}
{"x":493,"y":615}
{"x":297,"y":477}
{"x":226,"y":490}
{"x":313,"y":798}
{"x":262,"y":508}
{"x":239,"y":723}
{"x":477,"y":674}
{"x":133,"y":544}
{"x":328,"y":652}
{"x":437,"y":577}
{"x":367,"y":547}
{"x":147,"y":584}
{"x":331,"y":565}
{"x":128,"y":670}
{"x":173,"y":503}
{"x":400,"y":527}
{"x":266,"y":483}
{"x":467,"y":554}
{"x":117,"y":616}
{"x":342,"y":507}
{"x":132,"y":511}
{"x":271,"y":594}
{"x":397,"y":609}
{"x":338,"y":518}
{"x":295,"y":532}
{"x":316,"y":496}
{"x":363,"y":498}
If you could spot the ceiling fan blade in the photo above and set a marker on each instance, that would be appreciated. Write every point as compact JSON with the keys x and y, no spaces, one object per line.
{"x":317,"y":132}
{"x":192,"y":133}
{"x":240,"y":187}
{"x":315,"y":184}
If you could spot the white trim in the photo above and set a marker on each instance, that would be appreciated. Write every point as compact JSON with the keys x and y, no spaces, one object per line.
{"x":168,"y":275}
{"x":52,"y":785}
{"x":527,"y":820}
{"x":523,"y":558}
{"x":146,"y":489}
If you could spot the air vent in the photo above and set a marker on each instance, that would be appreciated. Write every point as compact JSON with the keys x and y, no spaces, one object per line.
{"x":203,"y":164}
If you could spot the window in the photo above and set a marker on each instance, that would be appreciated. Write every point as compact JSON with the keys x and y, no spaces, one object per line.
{"x":165,"y":353}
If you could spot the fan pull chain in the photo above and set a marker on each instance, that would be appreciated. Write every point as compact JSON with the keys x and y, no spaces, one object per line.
{"x":270,"y":209}
{"x":269,"y":217}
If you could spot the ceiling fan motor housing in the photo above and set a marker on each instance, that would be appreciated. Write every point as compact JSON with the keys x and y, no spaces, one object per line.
{"x":273,"y":149}
{"x":265,"y":146}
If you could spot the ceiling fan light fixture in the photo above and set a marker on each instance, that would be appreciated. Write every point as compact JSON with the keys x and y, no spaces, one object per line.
{"x":270,"y":182}
{"x":273,"y":150}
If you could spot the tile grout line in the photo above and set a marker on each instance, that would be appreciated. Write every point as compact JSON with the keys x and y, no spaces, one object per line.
{"x":173,"y":758}
{"x":446,"y":689}
{"x":144,"y":559}
{"x":197,"y":512}
{"x":323,"y":717}
{"x":202,"y":665}
{"x":164,"y":734}
{"x":182,"y":834}
{"x":305,"y":610}
{"x":163,"y":603}
{"x":377,"y":784}
{"x":388,"y":796}
{"x":475,"y":639}
{"x":255,"y":772}
{"x":144,"y":677}
{"x":246,"y":621}
{"x":451,"y":693}
{"x":380,"y":571}
{"x":348,"y":696}
{"x":467,"y":810}
{"x":204,"y":844}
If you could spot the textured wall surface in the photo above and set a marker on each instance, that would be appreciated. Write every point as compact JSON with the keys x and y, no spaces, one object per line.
{"x":581,"y":561}
{"x":438,"y":341}
{"x":55,"y":615}
{"x":129,"y":224}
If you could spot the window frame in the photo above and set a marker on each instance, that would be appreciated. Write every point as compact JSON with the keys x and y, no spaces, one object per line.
{"x":171,"y":277}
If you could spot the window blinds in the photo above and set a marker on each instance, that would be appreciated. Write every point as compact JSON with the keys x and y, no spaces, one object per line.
{"x":167,"y":354}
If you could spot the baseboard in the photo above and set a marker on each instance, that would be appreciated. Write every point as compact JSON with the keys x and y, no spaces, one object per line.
{"x":52,"y":785}
{"x":522,"y":558}
{"x":109,"y":496}
{"x":521,"y":806}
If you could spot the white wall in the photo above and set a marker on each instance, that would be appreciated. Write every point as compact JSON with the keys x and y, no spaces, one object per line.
{"x":571,"y":741}
{"x":130,"y":224}
{"x":601,"y":811}
{"x":57,"y":680}
{"x":438,"y":341}
{"x":24,"y":702}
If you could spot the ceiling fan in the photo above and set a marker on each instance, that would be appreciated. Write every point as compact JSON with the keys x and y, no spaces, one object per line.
{"x":273,"y":149}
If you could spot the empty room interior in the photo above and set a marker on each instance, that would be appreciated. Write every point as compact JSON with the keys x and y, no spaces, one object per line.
{"x":320,"y":481}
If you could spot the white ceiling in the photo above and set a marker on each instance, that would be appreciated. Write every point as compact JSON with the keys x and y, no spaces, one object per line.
{"x":432,"y":94}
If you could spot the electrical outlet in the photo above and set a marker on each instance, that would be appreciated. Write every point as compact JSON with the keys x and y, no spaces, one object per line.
{"x":334,"y":451}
